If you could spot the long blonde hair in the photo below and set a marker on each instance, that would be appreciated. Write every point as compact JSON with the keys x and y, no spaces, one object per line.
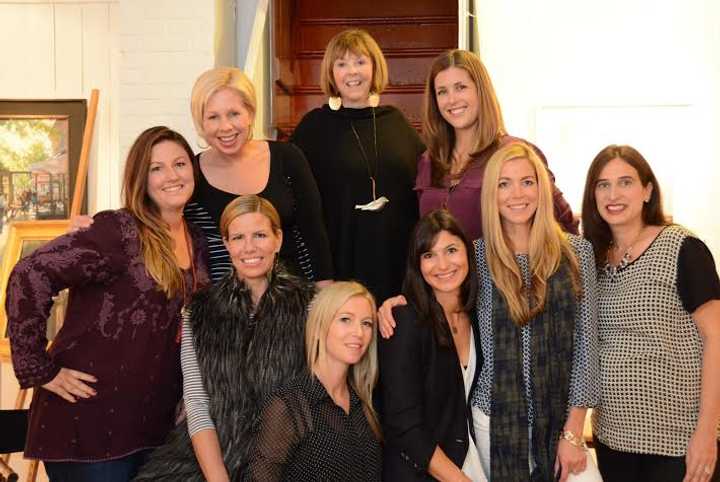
{"x":439,"y":136}
{"x":363,"y":375}
{"x":155,"y":241}
{"x":548,"y":243}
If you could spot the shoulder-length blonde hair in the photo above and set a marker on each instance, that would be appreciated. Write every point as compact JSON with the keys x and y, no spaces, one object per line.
{"x":358,"y":42}
{"x":214,"y":80}
{"x":155,"y":241}
{"x":438,"y":134}
{"x":548,"y":243}
{"x":364,"y":374}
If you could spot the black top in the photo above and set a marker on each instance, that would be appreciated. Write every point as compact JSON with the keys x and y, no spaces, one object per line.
{"x":369,"y":246}
{"x":304,"y":435}
{"x":292,"y":190}
{"x":423,"y":402}
{"x":697,"y":279}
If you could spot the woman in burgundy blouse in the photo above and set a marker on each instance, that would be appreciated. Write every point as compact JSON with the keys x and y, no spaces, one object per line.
{"x":107,"y":388}
{"x":463,"y":127}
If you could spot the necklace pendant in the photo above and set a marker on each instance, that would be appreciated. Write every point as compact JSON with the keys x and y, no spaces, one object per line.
{"x":376,"y":205}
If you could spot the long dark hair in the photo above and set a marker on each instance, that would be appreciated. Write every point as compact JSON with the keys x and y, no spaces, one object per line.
{"x":595,"y":229}
{"x":418,"y":293}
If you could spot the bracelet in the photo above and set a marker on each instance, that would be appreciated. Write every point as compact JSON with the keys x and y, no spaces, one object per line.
{"x":573,"y":439}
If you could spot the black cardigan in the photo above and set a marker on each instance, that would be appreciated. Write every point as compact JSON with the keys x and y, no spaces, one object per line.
{"x":422,"y":398}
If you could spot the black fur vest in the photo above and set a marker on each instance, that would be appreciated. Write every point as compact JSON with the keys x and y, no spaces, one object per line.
{"x":242,"y":359}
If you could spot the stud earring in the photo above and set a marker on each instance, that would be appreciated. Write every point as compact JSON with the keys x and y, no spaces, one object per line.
{"x":335,"y":102}
{"x":374,"y":100}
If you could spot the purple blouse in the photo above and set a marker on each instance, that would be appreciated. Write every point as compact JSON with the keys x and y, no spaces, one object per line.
{"x":463,"y":199}
{"x":118,"y":327}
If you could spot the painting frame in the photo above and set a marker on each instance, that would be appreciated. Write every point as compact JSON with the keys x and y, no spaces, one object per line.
{"x":16,"y":206}
{"x":21,"y":233}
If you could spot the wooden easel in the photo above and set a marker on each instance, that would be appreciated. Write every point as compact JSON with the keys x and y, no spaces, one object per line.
{"x":78,"y":195}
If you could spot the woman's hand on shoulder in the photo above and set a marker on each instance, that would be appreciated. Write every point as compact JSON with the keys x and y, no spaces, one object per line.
{"x":69,"y":384}
{"x":386,"y":321}
{"x":80,"y":221}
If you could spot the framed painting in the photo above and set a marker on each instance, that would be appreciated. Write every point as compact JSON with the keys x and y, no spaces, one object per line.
{"x":40,"y":145}
{"x":24,"y":237}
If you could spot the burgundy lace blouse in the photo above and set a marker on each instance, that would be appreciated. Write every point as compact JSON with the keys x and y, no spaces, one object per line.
{"x":118,"y":327}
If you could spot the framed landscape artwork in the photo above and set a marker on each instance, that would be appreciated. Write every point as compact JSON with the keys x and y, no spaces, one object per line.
{"x":23,"y":238}
{"x":40,"y":144}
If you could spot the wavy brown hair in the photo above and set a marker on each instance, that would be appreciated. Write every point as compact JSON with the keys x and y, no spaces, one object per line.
{"x":595,"y":229}
{"x":155,"y":241}
{"x":439,"y":136}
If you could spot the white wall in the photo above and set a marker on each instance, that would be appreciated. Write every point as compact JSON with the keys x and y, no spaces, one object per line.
{"x":574,"y":76}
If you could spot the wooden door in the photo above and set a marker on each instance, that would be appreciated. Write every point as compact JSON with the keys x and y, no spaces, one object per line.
{"x":410,"y":33}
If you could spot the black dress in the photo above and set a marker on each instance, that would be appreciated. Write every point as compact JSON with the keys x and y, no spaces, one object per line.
{"x":304,"y":435}
{"x":292,"y":190}
{"x":368,"y":246}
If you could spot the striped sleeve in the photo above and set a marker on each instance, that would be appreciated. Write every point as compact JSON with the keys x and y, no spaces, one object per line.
{"x":196,"y":399}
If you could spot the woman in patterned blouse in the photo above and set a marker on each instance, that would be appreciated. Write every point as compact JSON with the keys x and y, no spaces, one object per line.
{"x":322,"y":425}
{"x":106,"y":390}
{"x":659,"y":329}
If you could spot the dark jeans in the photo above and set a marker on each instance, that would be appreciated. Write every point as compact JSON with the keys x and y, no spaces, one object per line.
{"x":118,"y":470}
{"x":616,"y":466}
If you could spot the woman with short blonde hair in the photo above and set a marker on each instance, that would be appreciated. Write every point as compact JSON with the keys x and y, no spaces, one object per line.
{"x":223,"y":106}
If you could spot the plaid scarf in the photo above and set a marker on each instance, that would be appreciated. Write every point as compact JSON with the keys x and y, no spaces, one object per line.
{"x":551,"y":349}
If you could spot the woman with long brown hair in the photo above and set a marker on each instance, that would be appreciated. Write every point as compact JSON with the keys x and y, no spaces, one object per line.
{"x":463,"y":127}
{"x":659,"y":330}
{"x":107,"y":388}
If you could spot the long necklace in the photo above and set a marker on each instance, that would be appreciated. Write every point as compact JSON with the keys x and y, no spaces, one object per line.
{"x":187,"y":296}
{"x":377,"y":203}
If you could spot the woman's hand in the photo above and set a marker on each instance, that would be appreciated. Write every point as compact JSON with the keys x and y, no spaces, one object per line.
{"x":386,"y":322}
{"x":80,"y":221}
{"x":701,"y":456}
{"x":570,"y":459}
{"x":69,"y":384}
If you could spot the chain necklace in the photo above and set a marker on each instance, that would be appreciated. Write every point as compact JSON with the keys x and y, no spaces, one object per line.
{"x":377,"y":203}
{"x":626,"y":257}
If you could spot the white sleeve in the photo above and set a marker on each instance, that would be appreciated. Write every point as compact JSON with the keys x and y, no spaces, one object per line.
{"x":196,"y":398}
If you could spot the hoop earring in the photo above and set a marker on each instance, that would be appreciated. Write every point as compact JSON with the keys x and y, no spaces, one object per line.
{"x":201,"y":141}
{"x":374,"y":99}
{"x":335,"y":102}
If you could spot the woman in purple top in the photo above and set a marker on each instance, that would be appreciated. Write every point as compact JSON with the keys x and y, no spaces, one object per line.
{"x":107,"y":388}
{"x":464,"y":127}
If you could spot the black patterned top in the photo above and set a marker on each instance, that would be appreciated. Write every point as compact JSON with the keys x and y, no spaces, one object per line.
{"x":292,"y":191}
{"x":304,"y":435}
{"x":650,"y":347}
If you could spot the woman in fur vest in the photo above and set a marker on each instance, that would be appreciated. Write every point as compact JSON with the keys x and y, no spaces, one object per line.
{"x":242,"y":338}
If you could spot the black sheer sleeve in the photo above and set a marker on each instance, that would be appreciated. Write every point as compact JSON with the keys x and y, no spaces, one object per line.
{"x":697,"y":278}
{"x":280,"y":432}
